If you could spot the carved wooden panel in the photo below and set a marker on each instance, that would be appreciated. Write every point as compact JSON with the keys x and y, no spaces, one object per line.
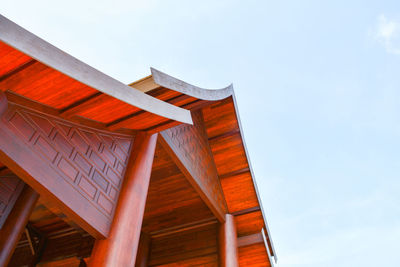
{"x":84,"y":167}
{"x":189,"y":147}
{"x":10,"y":188}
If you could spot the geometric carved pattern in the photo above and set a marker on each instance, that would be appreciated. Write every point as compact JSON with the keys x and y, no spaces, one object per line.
{"x":10,"y":188}
{"x":93,"y":162}
{"x":190,"y":145}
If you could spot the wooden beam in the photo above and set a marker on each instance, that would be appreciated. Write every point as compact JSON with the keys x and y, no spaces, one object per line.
{"x":237,"y":172}
{"x":188,"y":147}
{"x":42,"y":51}
{"x":183,"y":228}
{"x":130,"y":119}
{"x":83,"y":104}
{"x":228,"y":246}
{"x":230,"y":133}
{"x":249,"y":240}
{"x":246,"y":211}
{"x":15,"y":224}
{"x":145,"y":84}
{"x":16,"y":70}
{"x":120,"y":248}
{"x":162,"y":126}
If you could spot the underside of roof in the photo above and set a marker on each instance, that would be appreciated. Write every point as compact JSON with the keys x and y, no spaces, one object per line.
{"x":39,"y":76}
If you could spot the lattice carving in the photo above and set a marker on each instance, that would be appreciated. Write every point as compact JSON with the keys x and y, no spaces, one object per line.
{"x":93,"y":162}
{"x":191,"y":146}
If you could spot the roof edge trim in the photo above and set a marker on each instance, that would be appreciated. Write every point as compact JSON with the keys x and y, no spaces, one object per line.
{"x":37,"y":48}
{"x":267,"y":231}
{"x":175,"y":84}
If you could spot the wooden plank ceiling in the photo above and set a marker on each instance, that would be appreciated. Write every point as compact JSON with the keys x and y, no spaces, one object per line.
{"x":175,"y":213}
{"x":33,"y":84}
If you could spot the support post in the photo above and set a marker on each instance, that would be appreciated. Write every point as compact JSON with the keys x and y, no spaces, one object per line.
{"x":120,"y":248}
{"x":228,"y":249}
{"x":15,"y":224}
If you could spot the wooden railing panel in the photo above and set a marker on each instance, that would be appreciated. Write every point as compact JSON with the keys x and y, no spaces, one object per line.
{"x":79,"y":168}
{"x":189,"y":148}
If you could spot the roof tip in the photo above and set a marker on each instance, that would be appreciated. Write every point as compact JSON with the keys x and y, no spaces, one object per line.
{"x":175,"y":84}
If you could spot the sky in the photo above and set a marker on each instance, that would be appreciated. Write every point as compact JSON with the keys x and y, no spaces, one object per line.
{"x":318,"y":89}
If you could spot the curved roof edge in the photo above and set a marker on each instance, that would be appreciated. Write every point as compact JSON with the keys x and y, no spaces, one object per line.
{"x":35,"y":47}
{"x":175,"y":84}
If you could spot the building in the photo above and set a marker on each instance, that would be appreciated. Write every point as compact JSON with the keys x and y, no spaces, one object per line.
{"x":95,"y":172}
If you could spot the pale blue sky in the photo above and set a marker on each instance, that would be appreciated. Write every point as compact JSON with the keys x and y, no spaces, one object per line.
{"x":318,"y":88}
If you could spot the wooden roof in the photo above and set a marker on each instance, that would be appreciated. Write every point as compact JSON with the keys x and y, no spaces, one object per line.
{"x":37,"y":75}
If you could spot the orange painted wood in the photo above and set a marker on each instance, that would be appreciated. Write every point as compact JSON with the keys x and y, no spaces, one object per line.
{"x":37,"y":80}
{"x":239,"y":192}
{"x":188,"y":146}
{"x":249,"y":223}
{"x":228,"y":245}
{"x":210,"y":260}
{"x":15,"y":224}
{"x":220,"y":118}
{"x":253,"y":256}
{"x":10,"y":188}
{"x":79,"y":169}
{"x":120,"y":248}
{"x":143,"y":253}
{"x":249,"y":240}
{"x":171,"y":200}
{"x":189,"y":246}
{"x":10,"y":59}
{"x":229,"y":154}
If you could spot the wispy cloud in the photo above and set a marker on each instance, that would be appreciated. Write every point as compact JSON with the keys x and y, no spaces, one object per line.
{"x":387,"y":32}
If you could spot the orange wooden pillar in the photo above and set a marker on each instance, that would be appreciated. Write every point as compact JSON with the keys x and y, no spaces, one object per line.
{"x":228,"y":249}
{"x":120,"y":248}
{"x":15,"y":224}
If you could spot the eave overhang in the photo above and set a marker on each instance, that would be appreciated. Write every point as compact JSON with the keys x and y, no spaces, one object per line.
{"x":40,"y":50}
{"x":215,"y":96}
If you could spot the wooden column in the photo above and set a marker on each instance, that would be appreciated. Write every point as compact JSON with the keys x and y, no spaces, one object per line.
{"x":228,"y":250}
{"x":15,"y":224}
{"x":143,"y":251}
{"x":120,"y":248}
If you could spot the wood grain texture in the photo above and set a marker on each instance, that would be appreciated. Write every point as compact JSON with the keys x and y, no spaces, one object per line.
{"x":120,"y":248}
{"x":14,"y":226}
{"x":253,"y":256}
{"x":10,"y":188}
{"x":191,"y":246}
{"x":143,"y":253}
{"x":238,"y":193}
{"x":249,"y":223}
{"x":210,"y":260}
{"x":189,"y":148}
{"x":228,"y":245}
{"x":11,"y":59}
{"x":171,"y":201}
{"x":62,"y":240}
{"x":79,"y":168}
{"x":249,"y":240}
{"x":31,"y":45}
